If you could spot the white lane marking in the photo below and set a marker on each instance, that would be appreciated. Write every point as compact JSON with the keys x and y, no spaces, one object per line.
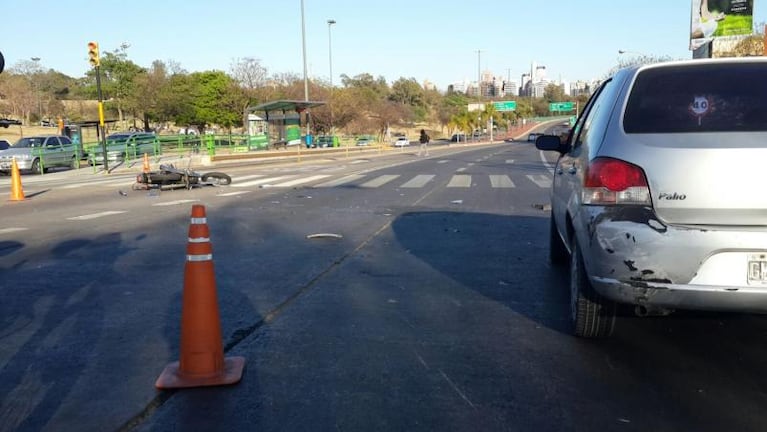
{"x":171,"y":203}
{"x":379,"y":181}
{"x":418,"y":181}
{"x":546,"y":163}
{"x":260,"y":181}
{"x":340,"y":181}
{"x":234,"y":193}
{"x":443,"y":161}
{"x":247,"y":177}
{"x":97,"y":215}
{"x":12,"y":229}
{"x":509,"y":161}
{"x":501,"y":181}
{"x":98,"y":183}
{"x":541,"y":180}
{"x":359,"y":161}
{"x":460,"y":169}
{"x":460,"y":180}
{"x":302,"y":180}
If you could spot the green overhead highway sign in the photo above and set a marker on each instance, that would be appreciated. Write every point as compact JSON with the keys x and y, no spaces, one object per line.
{"x":561,"y":106}
{"x":505,"y":105}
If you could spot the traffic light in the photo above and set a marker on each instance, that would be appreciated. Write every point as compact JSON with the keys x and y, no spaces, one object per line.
{"x":93,"y":54}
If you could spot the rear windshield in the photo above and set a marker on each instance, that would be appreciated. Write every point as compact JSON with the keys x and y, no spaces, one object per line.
{"x":699,"y":98}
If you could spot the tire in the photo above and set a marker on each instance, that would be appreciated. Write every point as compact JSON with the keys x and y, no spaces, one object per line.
{"x":216,"y":178}
{"x":35,"y":168}
{"x":558,"y":255}
{"x":592,"y":315}
{"x":73,"y":163}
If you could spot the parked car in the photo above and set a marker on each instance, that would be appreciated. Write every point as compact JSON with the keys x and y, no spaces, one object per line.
{"x":127,"y":146}
{"x":5,"y":122}
{"x":458,"y":138}
{"x":326,"y":141}
{"x":401,"y":142}
{"x":533,"y":136}
{"x":4,"y":145}
{"x":40,"y":153}
{"x":657,"y":200}
{"x":364,"y":140}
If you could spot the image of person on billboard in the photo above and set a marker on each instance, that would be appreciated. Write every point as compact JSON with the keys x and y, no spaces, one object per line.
{"x":715,"y":18}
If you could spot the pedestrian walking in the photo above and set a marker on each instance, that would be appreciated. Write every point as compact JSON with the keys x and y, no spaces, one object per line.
{"x":424,"y":139}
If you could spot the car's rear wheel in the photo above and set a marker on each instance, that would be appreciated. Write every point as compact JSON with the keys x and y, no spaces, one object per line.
{"x":35,"y":168}
{"x":593,"y":316}
{"x":558,"y":254}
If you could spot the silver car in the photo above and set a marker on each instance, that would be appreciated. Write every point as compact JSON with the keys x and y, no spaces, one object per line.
{"x":658,"y":197}
{"x":41,"y":152}
{"x":123,"y":146}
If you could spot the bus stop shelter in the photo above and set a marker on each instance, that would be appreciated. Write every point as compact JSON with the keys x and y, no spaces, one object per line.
{"x":280,"y":123}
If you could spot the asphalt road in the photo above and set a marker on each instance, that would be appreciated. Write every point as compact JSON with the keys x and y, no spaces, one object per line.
{"x":435,"y":310}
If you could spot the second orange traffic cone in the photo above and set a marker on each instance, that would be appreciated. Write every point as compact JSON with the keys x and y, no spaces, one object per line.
{"x":17,"y":193}
{"x":202,"y":361}
{"x":146,"y":162}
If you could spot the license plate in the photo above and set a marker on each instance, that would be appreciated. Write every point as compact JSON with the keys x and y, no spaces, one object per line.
{"x":757,"y":269}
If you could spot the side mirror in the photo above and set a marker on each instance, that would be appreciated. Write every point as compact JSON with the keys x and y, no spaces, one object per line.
{"x":551,"y":143}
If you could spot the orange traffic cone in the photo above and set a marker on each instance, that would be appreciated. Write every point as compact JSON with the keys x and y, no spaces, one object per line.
{"x":146,"y":162}
{"x":17,"y":193}
{"x":202,"y":361}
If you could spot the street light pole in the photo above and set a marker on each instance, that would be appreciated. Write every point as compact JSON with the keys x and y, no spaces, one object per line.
{"x":330,"y":62}
{"x":37,"y":87}
{"x":306,"y":78}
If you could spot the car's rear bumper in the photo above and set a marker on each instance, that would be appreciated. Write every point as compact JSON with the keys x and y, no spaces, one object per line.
{"x":642,"y":261}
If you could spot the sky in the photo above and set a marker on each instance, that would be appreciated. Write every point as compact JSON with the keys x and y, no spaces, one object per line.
{"x":439,"y":41}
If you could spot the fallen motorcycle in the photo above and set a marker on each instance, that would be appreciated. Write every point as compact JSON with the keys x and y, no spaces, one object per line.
{"x":170,"y":177}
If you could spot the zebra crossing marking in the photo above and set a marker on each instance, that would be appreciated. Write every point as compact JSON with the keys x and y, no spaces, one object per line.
{"x":340,"y":181}
{"x":300,"y":181}
{"x":379,"y":181}
{"x":417,"y":181}
{"x":260,"y":181}
{"x":541,"y":180}
{"x":460,"y":180}
{"x":501,"y":181}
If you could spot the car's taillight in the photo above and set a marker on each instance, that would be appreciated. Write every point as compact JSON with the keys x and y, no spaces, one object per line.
{"x":611,"y":181}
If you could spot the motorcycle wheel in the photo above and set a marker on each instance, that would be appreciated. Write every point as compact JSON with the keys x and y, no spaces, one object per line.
{"x":216,"y":178}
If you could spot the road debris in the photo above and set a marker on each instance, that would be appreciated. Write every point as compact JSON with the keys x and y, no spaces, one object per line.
{"x":324,"y":235}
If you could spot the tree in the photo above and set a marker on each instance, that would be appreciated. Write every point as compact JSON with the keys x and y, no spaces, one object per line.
{"x":554,"y":93}
{"x":118,"y":75}
{"x":250,"y":75}
{"x":213,"y":101}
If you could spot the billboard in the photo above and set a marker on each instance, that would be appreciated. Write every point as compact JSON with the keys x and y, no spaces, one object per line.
{"x":720,"y":18}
